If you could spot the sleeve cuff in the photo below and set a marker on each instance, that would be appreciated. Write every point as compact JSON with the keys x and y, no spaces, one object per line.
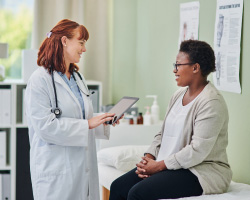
{"x":102,"y":132}
{"x":172,"y":163}
{"x":151,"y":151}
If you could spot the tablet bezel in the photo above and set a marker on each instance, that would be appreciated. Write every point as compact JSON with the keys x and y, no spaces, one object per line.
{"x":116,"y":117}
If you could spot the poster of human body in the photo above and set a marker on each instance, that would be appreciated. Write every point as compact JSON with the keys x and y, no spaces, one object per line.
{"x":189,"y":21}
{"x":227,"y":40}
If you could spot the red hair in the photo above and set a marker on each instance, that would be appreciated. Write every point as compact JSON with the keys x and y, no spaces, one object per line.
{"x":51,"y":50}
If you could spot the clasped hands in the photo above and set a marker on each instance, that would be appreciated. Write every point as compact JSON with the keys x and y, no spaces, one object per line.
{"x":148,"y":166}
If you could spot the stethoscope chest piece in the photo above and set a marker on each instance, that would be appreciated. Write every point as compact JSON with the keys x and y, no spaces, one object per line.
{"x":57,"y":112}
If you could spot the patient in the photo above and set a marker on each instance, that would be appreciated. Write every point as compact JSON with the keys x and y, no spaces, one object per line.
{"x":188,"y":156}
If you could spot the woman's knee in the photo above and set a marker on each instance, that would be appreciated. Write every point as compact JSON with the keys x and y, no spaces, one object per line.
{"x":117,"y":190}
{"x":121,"y":186}
{"x":136,"y":193}
{"x":115,"y":185}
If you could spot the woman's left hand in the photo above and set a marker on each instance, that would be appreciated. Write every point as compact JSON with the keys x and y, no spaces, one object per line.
{"x":141,"y":172}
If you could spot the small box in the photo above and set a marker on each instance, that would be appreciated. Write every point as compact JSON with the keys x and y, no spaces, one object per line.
{"x":3,"y":152}
{"x":24,"y":119}
{"x":5,"y":107}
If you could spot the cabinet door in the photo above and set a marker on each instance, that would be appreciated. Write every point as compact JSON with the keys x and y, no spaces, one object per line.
{"x":23,"y":180}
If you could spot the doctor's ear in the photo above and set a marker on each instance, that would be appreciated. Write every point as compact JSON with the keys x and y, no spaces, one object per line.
{"x":64,"y":40}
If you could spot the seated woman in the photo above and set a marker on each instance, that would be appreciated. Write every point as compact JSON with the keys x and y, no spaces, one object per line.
{"x":188,"y":156}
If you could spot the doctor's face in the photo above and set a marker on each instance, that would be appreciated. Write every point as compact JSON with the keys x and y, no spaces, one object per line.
{"x":73,"y":48}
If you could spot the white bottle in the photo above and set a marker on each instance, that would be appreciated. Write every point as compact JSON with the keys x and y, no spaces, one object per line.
{"x":155,"y":110}
{"x":133,"y":113}
{"x":147,"y":117}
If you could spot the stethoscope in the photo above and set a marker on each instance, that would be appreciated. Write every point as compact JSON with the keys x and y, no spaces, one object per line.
{"x":57,"y":111}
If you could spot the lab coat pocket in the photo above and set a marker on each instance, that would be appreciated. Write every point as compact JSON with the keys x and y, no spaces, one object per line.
{"x":50,"y":161}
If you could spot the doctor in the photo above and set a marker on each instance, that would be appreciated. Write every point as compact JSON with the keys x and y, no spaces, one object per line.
{"x":62,"y":129}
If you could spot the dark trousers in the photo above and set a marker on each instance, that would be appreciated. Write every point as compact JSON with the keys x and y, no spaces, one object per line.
{"x":163,"y":185}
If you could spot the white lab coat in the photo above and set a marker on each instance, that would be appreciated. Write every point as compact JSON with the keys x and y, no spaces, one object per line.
{"x":62,"y":150}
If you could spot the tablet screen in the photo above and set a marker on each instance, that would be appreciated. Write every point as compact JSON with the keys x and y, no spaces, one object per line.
{"x":121,"y":107}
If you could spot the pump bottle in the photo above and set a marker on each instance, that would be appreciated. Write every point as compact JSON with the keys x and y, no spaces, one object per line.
{"x":147,"y":117}
{"x":155,"y":110}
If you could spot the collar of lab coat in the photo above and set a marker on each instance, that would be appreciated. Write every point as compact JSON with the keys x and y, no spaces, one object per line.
{"x":60,"y":80}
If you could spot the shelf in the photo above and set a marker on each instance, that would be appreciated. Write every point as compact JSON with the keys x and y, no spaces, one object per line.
{"x":17,"y":141}
{"x":21,"y":125}
{"x":2,"y":168}
{"x":118,"y":135}
{"x":4,"y":126}
{"x":12,"y":81}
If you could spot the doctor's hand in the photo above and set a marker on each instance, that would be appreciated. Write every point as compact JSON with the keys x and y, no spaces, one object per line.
{"x":118,"y":121}
{"x":100,"y":119}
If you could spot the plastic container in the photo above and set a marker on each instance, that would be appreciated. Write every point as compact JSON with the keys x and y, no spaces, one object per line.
{"x":147,"y":117}
{"x":133,"y":113}
{"x":155,"y":110}
{"x":124,"y":120}
{"x":140,"y":119}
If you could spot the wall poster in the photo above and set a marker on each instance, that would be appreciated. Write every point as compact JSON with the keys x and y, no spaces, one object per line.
{"x":227,"y":39}
{"x":189,"y":21}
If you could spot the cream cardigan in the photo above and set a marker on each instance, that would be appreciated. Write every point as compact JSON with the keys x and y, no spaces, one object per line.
{"x":204,"y":140}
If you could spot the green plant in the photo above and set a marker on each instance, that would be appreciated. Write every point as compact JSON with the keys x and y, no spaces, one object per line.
{"x":1,"y":78}
{"x":15,"y":29}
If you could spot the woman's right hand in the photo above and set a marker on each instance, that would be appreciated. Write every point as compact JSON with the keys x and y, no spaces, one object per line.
{"x":100,"y":119}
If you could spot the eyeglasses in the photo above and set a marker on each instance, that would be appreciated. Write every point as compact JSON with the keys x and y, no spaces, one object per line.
{"x":176,"y":65}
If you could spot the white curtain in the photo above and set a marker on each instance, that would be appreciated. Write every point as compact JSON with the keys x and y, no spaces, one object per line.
{"x":95,"y":15}
{"x":48,"y":12}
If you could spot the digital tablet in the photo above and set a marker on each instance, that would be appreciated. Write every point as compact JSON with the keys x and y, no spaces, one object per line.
{"x":121,"y":107}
